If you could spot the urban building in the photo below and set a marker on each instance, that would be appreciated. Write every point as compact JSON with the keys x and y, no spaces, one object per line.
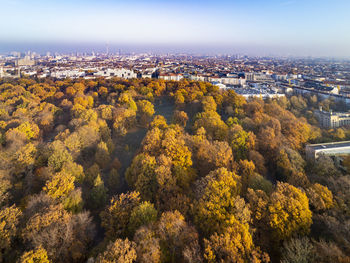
{"x":332,"y":119}
{"x":171,"y":76}
{"x":26,"y":61}
{"x":313,"y":151}
{"x":120,"y":73}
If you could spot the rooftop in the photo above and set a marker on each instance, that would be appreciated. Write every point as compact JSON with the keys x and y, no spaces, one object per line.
{"x":330,"y":145}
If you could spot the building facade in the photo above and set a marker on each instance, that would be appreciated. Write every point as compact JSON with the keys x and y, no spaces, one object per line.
{"x":313,"y":151}
{"x":332,"y":119}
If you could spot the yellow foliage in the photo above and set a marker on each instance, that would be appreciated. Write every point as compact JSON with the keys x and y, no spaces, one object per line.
{"x":234,"y":245}
{"x":38,"y":255}
{"x":60,"y":185}
{"x":320,"y":197}
{"x":9,"y":219}
{"x":289,"y":211}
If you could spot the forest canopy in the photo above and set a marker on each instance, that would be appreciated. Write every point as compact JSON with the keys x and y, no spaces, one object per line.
{"x":141,"y":170}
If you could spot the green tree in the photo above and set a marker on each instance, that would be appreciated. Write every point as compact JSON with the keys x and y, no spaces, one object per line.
{"x":141,"y":215}
{"x":98,"y":194}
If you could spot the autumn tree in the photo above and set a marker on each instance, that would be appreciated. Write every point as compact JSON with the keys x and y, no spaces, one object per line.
{"x":116,"y":217}
{"x":60,"y":185}
{"x":38,"y":255}
{"x":145,"y":110}
{"x":218,"y":202}
{"x":289,"y":211}
{"x":180,"y":118}
{"x":147,"y":245}
{"x":297,"y":250}
{"x":58,"y":155}
{"x":65,"y":237}
{"x":176,"y":236}
{"x":241,"y":142}
{"x":102,"y":155}
{"x":119,"y":251}
{"x":320,"y":197}
{"x":9,"y":221}
{"x":234,"y":245}
{"x":98,"y":194}
{"x":143,"y":214}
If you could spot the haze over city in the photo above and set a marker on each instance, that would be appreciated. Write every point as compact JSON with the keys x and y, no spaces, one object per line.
{"x":272,"y":27}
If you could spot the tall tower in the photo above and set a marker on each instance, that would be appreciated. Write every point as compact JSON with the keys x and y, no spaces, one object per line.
{"x":107,"y":48}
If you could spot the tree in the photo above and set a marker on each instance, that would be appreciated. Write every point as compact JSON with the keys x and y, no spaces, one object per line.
{"x":290,"y":167}
{"x":289,"y":212}
{"x":151,"y":143}
{"x":209,"y":104}
{"x":180,"y":118}
{"x":159,"y":122}
{"x":119,"y":251}
{"x":65,"y":237}
{"x":297,"y":250}
{"x":141,"y":175}
{"x":102,"y":156}
{"x":176,"y":236}
{"x":60,"y":185}
{"x":141,"y":215}
{"x":145,"y":110}
{"x":234,"y":245}
{"x":58,"y":155}
{"x":74,"y":201}
{"x":320,"y":197}
{"x":213,"y":155}
{"x":214,"y":126}
{"x":38,"y":255}
{"x":116,"y":217}
{"x":218,"y":203}
{"x":31,"y":130}
{"x":98,"y":194}
{"x":241,"y":142}
{"x":175,"y":148}
{"x":9,"y":221}
{"x":126,"y":99}
{"x":258,"y":201}
{"x":147,"y":245}
{"x":24,"y":158}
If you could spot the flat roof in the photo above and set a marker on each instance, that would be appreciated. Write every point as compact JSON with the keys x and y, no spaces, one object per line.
{"x":329,"y":145}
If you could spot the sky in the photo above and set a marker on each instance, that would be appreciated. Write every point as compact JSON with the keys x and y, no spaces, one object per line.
{"x":262,"y":27}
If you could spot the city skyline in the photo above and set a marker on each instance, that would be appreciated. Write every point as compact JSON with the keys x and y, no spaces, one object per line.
{"x":274,"y":27}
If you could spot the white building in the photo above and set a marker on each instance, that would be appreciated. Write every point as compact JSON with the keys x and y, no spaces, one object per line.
{"x":120,"y":73}
{"x":313,"y":151}
{"x":197,"y":77}
{"x":62,"y":74}
{"x":233,"y":81}
{"x":170,"y":76}
{"x":257,"y":77}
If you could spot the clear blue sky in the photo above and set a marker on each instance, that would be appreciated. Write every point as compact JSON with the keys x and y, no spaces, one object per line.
{"x":301,"y":27}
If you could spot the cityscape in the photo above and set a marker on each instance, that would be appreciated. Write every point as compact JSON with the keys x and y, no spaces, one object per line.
{"x":248,"y":76}
{"x":175,"y":131}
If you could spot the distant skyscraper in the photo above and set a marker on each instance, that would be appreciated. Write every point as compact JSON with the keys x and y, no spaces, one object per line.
{"x":107,"y":48}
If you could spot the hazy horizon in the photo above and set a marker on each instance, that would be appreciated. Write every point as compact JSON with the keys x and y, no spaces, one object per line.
{"x":271,"y":27}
